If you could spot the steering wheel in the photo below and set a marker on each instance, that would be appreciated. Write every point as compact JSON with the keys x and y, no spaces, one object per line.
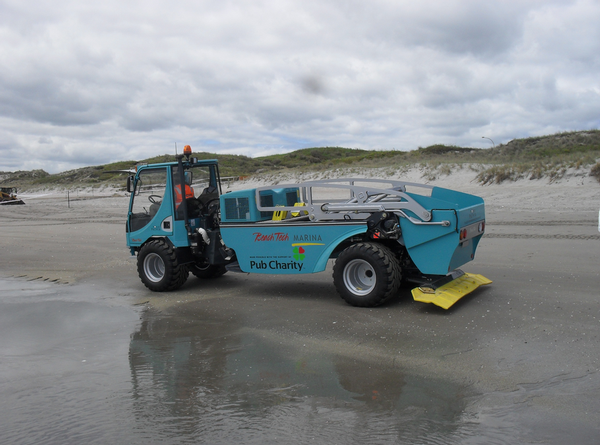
{"x":155,"y":199}
{"x":212,"y":205}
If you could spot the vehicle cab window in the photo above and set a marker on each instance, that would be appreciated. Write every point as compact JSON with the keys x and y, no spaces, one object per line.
{"x":148,"y":197}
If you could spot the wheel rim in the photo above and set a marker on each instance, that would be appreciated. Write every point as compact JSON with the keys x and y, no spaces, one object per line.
{"x":154,"y":267}
{"x":359,"y":277}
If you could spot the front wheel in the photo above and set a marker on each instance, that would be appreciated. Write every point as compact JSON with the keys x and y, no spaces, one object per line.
{"x":366,"y":274}
{"x":158,"y":267}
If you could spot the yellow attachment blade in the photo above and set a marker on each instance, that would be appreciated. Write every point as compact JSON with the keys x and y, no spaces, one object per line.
{"x":448,"y":294}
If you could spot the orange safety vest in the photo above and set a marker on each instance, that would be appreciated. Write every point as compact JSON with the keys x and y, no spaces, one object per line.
{"x":189,"y":193}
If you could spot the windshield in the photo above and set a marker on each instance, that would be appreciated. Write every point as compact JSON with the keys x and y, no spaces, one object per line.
{"x":149,"y":191}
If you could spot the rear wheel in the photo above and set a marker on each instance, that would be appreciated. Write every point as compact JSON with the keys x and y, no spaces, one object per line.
{"x":205,"y":270}
{"x":367,"y":274}
{"x":158,"y":267}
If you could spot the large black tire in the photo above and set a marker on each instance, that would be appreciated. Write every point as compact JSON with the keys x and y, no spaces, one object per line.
{"x":205,"y":271}
{"x":367,"y":274}
{"x":158,"y":267}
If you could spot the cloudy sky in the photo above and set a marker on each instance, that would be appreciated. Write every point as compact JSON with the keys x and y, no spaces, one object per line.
{"x":87,"y":83}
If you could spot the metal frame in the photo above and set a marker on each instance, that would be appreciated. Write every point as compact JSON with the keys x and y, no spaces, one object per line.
{"x":364,"y":200}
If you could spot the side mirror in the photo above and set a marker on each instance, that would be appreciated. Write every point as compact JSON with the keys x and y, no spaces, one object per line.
{"x":129,"y":184}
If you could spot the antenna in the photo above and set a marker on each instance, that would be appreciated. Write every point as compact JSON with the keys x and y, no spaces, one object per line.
{"x":175,"y":148}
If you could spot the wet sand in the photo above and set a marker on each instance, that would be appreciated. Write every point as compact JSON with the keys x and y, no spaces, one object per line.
{"x":265,"y":359}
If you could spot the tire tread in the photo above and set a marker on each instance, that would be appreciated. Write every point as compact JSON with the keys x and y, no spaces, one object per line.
{"x":387,"y":262}
{"x":176,"y":275}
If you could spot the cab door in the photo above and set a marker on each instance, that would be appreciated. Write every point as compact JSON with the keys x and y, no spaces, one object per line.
{"x":150,"y":208}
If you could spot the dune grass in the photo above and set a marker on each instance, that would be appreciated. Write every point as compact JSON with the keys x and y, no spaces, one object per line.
{"x":541,"y":157}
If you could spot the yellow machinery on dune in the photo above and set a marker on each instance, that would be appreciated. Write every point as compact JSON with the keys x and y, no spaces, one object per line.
{"x":8,"y":195}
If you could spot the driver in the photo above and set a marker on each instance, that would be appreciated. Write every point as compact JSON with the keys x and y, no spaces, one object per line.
{"x":189,"y":192}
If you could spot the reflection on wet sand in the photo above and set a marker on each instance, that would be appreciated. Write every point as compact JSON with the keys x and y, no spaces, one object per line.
{"x":73,"y":372}
{"x":205,"y":377}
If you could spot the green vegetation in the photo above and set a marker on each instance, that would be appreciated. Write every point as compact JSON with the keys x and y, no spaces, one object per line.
{"x":542,"y":157}
{"x":531,"y":158}
{"x":595,"y":171}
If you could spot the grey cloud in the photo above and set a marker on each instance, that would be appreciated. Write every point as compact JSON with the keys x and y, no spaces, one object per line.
{"x":128,"y":80}
{"x":455,"y":26}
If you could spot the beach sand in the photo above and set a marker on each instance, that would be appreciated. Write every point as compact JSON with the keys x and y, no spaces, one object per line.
{"x":528,"y":345}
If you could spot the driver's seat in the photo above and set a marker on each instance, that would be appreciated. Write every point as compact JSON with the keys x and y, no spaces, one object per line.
{"x":210,"y":193}
{"x":154,"y":208}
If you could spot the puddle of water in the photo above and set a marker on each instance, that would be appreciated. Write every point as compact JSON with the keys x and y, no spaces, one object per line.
{"x":79,"y":366}
{"x":216,"y":381}
{"x":64,"y":363}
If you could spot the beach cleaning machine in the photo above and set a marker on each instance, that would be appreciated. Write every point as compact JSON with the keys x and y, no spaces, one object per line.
{"x":381,"y":234}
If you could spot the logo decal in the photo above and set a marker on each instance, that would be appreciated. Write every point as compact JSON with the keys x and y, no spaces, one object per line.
{"x":276,"y":265}
{"x":299,"y":253}
{"x":307,"y":238}
{"x":278,"y":236}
